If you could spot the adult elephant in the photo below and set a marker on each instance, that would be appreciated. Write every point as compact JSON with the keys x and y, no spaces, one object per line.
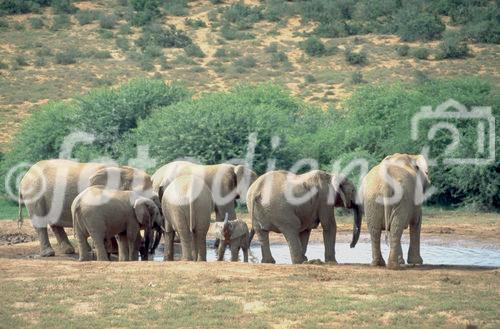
{"x":48,"y":189}
{"x":283,"y":202}
{"x":392,"y":197}
{"x":227,"y":182}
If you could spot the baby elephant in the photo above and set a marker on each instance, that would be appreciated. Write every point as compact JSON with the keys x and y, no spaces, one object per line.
{"x":235,"y":234}
{"x":102,"y":214}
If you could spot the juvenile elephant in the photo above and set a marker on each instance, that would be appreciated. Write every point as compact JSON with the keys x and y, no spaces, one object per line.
{"x":50,"y":186}
{"x":282,"y":202}
{"x":187,"y":205}
{"x":235,"y":234}
{"x":226,"y":182}
{"x":104,"y":213}
{"x":392,"y":197}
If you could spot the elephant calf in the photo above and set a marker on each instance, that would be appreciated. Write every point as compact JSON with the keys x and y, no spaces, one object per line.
{"x":102,"y":214}
{"x":187,"y":205}
{"x":235,"y":234}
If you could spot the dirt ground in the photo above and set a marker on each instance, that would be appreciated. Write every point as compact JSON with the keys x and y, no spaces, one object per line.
{"x":61,"y":292}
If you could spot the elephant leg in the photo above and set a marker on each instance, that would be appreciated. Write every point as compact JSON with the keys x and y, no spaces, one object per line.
{"x":100,"y":247}
{"x":267,"y":257}
{"x":304,"y":240}
{"x":133,"y":251}
{"x":201,"y":241}
{"x":169,"y":246}
{"x":377,"y":259}
{"x":194,"y":246}
{"x":235,"y":250}
{"x":245,"y":249}
{"x":83,"y":247}
{"x":401,"y":260}
{"x":221,"y":250}
{"x":45,"y":247}
{"x":395,"y":245}
{"x":414,"y":250}
{"x":62,"y":239}
{"x":186,"y":246}
{"x":293,"y":240}
{"x":122,"y":248}
{"x":329,"y":236}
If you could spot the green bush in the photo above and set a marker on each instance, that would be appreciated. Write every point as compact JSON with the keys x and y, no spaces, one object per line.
{"x":193,"y":50}
{"x":165,"y":37}
{"x":247,"y":62}
{"x":357,"y":78}
{"x":122,"y":43}
{"x":107,"y":21}
{"x":144,"y":11}
{"x":279,"y":57}
{"x":356,"y":58}
{"x":313,"y":46}
{"x":487,"y":31}
{"x":36,"y":23}
{"x":230,"y":33}
{"x":420,"y":53}
{"x":110,"y":113}
{"x":402,"y":50}
{"x":67,"y":56}
{"x":60,"y":22}
{"x":413,"y":23}
{"x":21,"y":6}
{"x":228,"y":118}
{"x":21,"y":60}
{"x":452,"y":46}
{"x":3,"y":66}
{"x":100,"y":54}
{"x":272,"y":48}
{"x":87,"y":16}
{"x":43,"y":51}
{"x":18,"y":26}
{"x":40,"y":62}
{"x":153,"y":51}
{"x":195,"y":23}
{"x":309,"y":78}
{"x":177,"y":7}
{"x":63,"y":6}
{"x":243,"y":16}
{"x":4,"y":24}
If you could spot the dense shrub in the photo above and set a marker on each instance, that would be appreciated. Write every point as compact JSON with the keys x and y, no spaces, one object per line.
{"x":181,"y":130}
{"x":21,"y":6}
{"x":21,"y":60}
{"x":452,"y":46}
{"x":357,"y":78}
{"x":356,"y":58}
{"x":87,"y":16}
{"x":487,"y":31}
{"x":3,"y":65}
{"x":36,"y":22}
{"x":67,"y":56}
{"x":63,"y":6}
{"x":420,"y":53}
{"x":230,"y":33}
{"x":243,"y":16}
{"x":177,"y":7}
{"x":161,"y":36}
{"x":194,"y":51}
{"x":247,"y":62}
{"x":313,"y":46}
{"x":195,"y":23}
{"x":107,"y":21}
{"x":40,"y":62}
{"x":122,"y":43}
{"x":412,"y":23}
{"x":144,"y":11}
{"x":60,"y":22}
{"x":100,"y":54}
{"x":402,"y":50}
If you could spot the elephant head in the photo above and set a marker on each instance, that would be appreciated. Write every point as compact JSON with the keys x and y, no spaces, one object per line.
{"x":231,"y":229}
{"x":147,"y":214}
{"x":345,"y":196}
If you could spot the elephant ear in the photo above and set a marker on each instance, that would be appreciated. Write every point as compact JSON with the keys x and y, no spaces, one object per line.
{"x":142,"y":211}
{"x":219,"y":230}
{"x":244,"y":178}
{"x":339,"y":197}
{"x":111,"y":177}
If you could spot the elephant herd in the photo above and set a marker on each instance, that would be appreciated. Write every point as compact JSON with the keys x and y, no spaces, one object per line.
{"x":113,"y":204}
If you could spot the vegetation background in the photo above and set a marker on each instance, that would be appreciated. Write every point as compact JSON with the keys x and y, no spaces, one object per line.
{"x":335,"y":80}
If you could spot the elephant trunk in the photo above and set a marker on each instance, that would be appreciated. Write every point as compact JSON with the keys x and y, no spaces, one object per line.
{"x":356,"y":229}
{"x":147,"y":242}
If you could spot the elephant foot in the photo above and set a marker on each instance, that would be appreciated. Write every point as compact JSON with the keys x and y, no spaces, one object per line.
{"x":401,"y":260}
{"x":378,"y":262}
{"x":67,"y":248}
{"x":84,"y":259}
{"x":417,"y":260}
{"x":332,"y":262}
{"x":268,"y":260}
{"x":305,"y":258}
{"x":393,"y":265}
{"x":47,"y":252}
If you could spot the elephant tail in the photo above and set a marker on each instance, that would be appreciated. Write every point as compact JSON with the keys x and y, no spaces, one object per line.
{"x":21,"y":203}
{"x":192,"y":221}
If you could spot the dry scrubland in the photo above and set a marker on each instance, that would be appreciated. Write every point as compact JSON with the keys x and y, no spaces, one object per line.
{"x":326,"y":80}
{"x":53,"y":292}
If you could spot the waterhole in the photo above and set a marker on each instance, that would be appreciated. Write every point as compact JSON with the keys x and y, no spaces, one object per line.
{"x":361,"y":254}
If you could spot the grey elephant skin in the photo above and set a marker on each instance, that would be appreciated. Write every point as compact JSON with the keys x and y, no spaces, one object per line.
{"x":271,"y":210}
{"x":235,"y":234}
{"x":103,"y":213}
{"x":187,"y":206}
{"x":224,"y":177}
{"x":50,"y":186}
{"x":410,"y":172}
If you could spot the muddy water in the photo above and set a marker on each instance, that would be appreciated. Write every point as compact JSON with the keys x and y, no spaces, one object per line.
{"x":361,"y":254}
